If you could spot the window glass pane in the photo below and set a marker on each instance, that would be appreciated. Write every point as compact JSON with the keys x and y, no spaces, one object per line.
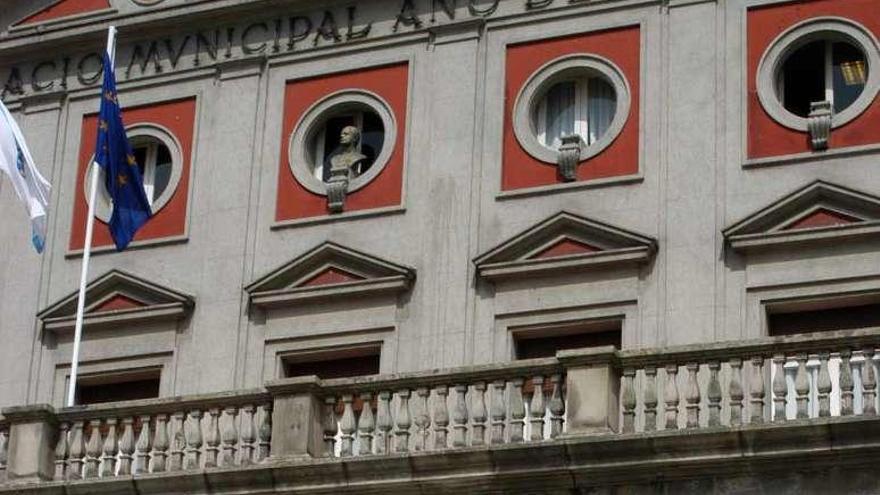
{"x":140,"y":154}
{"x":560,"y":104}
{"x":803,"y":78}
{"x":163,"y":171}
{"x":602,"y":102}
{"x":850,"y":72}
{"x":372,"y":139}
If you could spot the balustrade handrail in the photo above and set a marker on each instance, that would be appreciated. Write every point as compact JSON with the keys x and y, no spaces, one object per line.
{"x":765,"y":346}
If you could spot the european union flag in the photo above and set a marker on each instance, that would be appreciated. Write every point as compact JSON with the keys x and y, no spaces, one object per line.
{"x":122,"y":176}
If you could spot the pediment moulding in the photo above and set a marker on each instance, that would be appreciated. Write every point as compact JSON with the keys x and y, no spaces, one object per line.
{"x":118,"y":298}
{"x":326,"y":272}
{"x":564,"y":243}
{"x":819,"y":211}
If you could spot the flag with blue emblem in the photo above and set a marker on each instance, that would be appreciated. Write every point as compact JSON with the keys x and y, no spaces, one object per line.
{"x":30,"y":186}
{"x":122,"y":177}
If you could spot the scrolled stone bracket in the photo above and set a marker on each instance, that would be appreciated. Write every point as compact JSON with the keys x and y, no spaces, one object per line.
{"x":819,"y":124}
{"x":337,"y":189}
{"x":569,"y":156}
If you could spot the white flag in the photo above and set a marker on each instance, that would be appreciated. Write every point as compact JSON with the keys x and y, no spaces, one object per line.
{"x":18,"y":164}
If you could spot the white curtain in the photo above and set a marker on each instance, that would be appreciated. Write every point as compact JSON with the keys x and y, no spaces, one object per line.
{"x":559,"y":113}
{"x":600,"y":109}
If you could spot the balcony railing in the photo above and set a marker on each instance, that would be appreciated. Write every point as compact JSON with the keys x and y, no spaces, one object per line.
{"x":617,"y":394}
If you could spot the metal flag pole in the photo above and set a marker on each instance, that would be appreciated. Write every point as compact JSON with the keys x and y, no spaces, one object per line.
{"x":87,"y":246}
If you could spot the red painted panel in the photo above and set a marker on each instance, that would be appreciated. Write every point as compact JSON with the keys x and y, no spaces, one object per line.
{"x":331,"y":276}
{"x":821,"y":218}
{"x":767,"y":137}
{"x":390,"y":83}
{"x":566,"y":247}
{"x":64,"y":8}
{"x":117,"y":302}
{"x":176,"y":116}
{"x":622,"y":47}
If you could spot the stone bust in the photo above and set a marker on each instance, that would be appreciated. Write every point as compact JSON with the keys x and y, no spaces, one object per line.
{"x":346,"y":158}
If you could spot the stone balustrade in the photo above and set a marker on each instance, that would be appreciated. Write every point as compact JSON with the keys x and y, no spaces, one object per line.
{"x":765,"y":380}
{"x":4,"y":449}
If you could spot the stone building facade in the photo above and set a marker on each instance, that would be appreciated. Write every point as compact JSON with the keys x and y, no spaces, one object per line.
{"x":616,"y":244}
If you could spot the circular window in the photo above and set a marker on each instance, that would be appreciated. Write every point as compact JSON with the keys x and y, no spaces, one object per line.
{"x":583,"y":95}
{"x":159,"y":160}
{"x":821,"y":60}
{"x":353,"y":124}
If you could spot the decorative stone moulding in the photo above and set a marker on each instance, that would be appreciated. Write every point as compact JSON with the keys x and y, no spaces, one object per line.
{"x":118,"y":298}
{"x":817,"y":212}
{"x":562,"y":244}
{"x":569,"y":156}
{"x":830,"y":28}
{"x":541,"y":81}
{"x":328,"y":272}
{"x":104,"y":208}
{"x":302,"y":163}
{"x":819,"y":125}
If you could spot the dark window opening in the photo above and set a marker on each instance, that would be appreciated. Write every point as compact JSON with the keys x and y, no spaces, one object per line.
{"x":819,"y":71}
{"x":372,"y":138}
{"x":118,"y":387}
{"x":823,"y":320}
{"x":545,"y":342}
{"x":342,"y":363}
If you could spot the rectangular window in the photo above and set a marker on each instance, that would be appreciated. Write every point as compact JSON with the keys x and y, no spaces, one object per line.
{"x":118,"y":386}
{"x":547,"y":340}
{"x":336,"y":363}
{"x":822,"y":319}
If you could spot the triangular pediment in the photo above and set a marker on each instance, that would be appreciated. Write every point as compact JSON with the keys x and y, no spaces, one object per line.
{"x":820,"y":210}
{"x":117,"y":297}
{"x":564,"y":242}
{"x":326,"y":271}
{"x":61,"y":9}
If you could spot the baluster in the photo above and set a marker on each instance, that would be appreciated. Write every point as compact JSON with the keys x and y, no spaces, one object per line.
{"x":265,"y":432}
{"x":802,"y":387}
{"x":4,"y":450}
{"x":556,"y":406}
{"x":422,"y":418}
{"x":479,"y":414}
{"x":846,"y":383}
{"x":735,"y":392}
{"x":628,"y":400}
{"x":160,"y":444}
{"x":649,"y":397}
{"x":192,"y":431}
{"x":693,"y":396}
{"x":229,"y":435}
{"x":61,"y":451}
{"x":248,"y":435}
{"x":384,"y":422}
{"x":756,"y":391}
{"x":366,"y":425}
{"x":497,"y":412}
{"x":823,"y":386}
{"x":780,"y":388}
{"x":403,"y":421}
{"x":329,"y":426}
{"x":441,"y":417}
{"x":108,"y":467}
{"x":869,"y":383}
{"x":77,"y":452}
{"x":347,"y":426}
{"x":517,"y":411}
{"x":536,"y":409}
{"x":460,"y":417}
{"x":212,"y":438}
{"x":93,"y":449}
{"x":670,"y":397}
{"x":126,"y":446}
{"x":178,"y":441}
{"x":142,"y":448}
{"x":713,"y":391}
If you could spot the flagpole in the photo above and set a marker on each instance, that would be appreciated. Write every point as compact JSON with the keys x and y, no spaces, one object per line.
{"x":87,"y":245}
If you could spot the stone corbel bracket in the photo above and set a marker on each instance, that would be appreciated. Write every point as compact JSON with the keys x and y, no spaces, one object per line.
{"x":819,"y":124}
{"x":569,"y":156}
{"x":337,"y":189}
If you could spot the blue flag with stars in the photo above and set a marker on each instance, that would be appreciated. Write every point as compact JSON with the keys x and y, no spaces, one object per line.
{"x":113,"y":153}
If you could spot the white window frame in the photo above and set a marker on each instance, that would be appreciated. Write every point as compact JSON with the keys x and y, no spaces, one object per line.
{"x":581,"y":112}
{"x":151,"y":156}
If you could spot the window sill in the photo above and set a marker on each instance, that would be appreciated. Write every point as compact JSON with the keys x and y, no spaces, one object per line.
{"x":328,"y":218}
{"x":570,"y":186}
{"x":812,"y":156}
{"x":180,"y":239}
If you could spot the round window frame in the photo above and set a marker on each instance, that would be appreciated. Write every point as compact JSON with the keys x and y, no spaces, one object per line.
{"x":798,"y":36}
{"x":317,"y":115}
{"x":541,"y":81}
{"x":104,"y":208}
